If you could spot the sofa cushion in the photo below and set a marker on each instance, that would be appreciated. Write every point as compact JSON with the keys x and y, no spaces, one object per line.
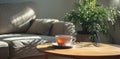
{"x":41,"y":26}
{"x":23,"y":45}
{"x":62,"y":27}
{"x":15,"y":17}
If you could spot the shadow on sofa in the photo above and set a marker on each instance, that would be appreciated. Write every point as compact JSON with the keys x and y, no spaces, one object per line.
{"x":21,"y":31}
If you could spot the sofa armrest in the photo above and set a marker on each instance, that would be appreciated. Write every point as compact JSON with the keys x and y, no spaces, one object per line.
{"x":61,"y":27}
{"x":15,"y":18}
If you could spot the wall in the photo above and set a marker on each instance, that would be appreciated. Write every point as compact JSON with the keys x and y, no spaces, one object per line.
{"x":103,"y":2}
{"x":56,"y":8}
{"x":115,"y":4}
{"x":110,"y":3}
{"x":48,"y":8}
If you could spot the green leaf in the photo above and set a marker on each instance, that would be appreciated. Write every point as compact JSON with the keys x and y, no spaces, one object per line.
{"x":96,"y":18}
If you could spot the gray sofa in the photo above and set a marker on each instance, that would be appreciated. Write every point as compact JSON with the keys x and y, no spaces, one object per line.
{"x":21,"y":31}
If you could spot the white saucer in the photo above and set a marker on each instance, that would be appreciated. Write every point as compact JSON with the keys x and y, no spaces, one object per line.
{"x":66,"y":46}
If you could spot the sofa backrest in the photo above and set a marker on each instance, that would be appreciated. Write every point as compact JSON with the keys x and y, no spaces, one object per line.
{"x":15,"y":17}
{"x":51,"y":27}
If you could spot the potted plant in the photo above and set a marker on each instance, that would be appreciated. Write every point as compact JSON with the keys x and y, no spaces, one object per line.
{"x":92,"y":18}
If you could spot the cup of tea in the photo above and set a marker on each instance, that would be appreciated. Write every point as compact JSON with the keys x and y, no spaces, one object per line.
{"x":64,"y":40}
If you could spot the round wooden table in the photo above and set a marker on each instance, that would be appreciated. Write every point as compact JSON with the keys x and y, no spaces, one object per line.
{"x":84,"y":50}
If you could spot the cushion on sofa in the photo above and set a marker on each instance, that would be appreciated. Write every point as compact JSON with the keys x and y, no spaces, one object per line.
{"x":23,"y":45}
{"x":63,"y":28}
{"x":15,"y":17}
{"x":41,"y":26}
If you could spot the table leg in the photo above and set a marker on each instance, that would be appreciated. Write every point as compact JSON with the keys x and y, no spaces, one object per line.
{"x":46,"y":56}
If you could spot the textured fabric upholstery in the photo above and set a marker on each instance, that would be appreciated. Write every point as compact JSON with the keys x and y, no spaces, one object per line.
{"x":61,"y":27}
{"x":4,"y":50}
{"x":52,"y":27}
{"x":41,"y":26}
{"x":15,"y":18}
{"x":23,"y":45}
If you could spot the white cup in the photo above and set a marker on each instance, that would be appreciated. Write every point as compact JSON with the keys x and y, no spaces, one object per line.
{"x":65,"y":40}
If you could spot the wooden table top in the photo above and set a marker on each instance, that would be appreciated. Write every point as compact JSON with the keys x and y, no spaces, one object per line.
{"x":83,"y":49}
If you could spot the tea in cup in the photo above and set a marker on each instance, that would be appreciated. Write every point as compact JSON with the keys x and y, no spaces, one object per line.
{"x":64,"y":40}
